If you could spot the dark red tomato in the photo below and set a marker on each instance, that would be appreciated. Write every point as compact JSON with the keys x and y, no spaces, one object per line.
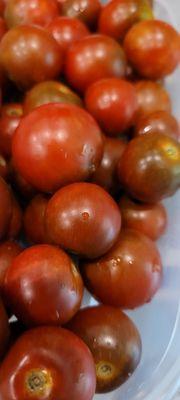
{"x":152,"y":97}
{"x":114,"y":342}
{"x":3,"y":28}
{"x":4,"y":167}
{"x":5,"y":207}
{"x":49,"y":92}
{"x":41,"y":60}
{"x":43,"y":286}
{"x":8,"y":251}
{"x":10,"y":117}
{"x":150,"y":219}
{"x":149,"y":168}
{"x":158,"y":122}
{"x":48,"y":363}
{"x":153,"y":48}
{"x":4,"y":331}
{"x":70,"y":152}
{"x":92,"y":58}
{"x":117,"y":16}
{"x":113,"y":103}
{"x":106,"y":173}
{"x":84,"y":219}
{"x":15,"y":225}
{"x":30,"y":12}
{"x":67,"y":31}
{"x":34,"y":220}
{"x":86,"y":10}
{"x":129,"y":275}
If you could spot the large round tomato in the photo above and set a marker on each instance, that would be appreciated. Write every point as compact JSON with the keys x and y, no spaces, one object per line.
{"x":8,"y":251}
{"x":86,"y":10}
{"x":57,"y":144}
{"x":5,"y":207}
{"x":128,"y":275}
{"x":83,"y":218}
{"x":34,"y":220}
{"x":92,"y":58}
{"x":9,"y":120}
{"x":4,"y":331}
{"x":158,"y":122}
{"x":48,"y":363}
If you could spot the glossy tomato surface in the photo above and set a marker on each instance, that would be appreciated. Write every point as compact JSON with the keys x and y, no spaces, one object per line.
{"x":92,"y":58}
{"x":152,"y":97}
{"x":149,"y":169}
{"x":43,"y":286}
{"x":8,"y":251}
{"x":15,"y":224}
{"x":158,"y":122}
{"x":4,"y":330}
{"x":127,"y":276}
{"x":9,"y":120}
{"x":84,"y":219}
{"x":114,"y":342}
{"x":48,"y":363}
{"x":86,"y":10}
{"x":34,"y":220}
{"x":5,"y":207}
{"x":62,"y":143}
{"x":41,"y":50}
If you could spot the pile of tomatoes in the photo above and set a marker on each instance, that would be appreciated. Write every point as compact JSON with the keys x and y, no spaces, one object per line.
{"x":88,"y":150}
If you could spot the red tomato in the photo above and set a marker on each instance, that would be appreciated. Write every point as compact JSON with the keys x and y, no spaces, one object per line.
{"x":48,"y":363}
{"x":43,"y":286}
{"x":5,"y":207}
{"x":30,"y":12}
{"x":70,"y":151}
{"x":86,"y":10}
{"x":3,"y":28}
{"x":8,"y":251}
{"x":83,"y":218}
{"x":114,"y":342}
{"x":34,"y":220}
{"x":113,"y":103}
{"x":4,"y":168}
{"x":150,"y":219}
{"x":4,"y":331}
{"x":158,"y":122}
{"x":152,"y":97}
{"x":128,"y":275}
{"x":153,"y":48}
{"x":10,"y":118}
{"x":15,"y":224}
{"x":41,"y":61}
{"x":92,"y":58}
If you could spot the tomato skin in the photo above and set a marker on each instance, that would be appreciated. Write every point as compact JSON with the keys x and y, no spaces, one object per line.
{"x":4,"y":168}
{"x":15,"y":224}
{"x":150,"y":219}
{"x":55,"y":359}
{"x":8,"y":251}
{"x":34,"y":220}
{"x":19,"y":65}
{"x":76,"y":220}
{"x":70,"y":152}
{"x":86,"y":10}
{"x":49,"y":92}
{"x":2,"y":7}
{"x":5,"y":207}
{"x":10,"y":118}
{"x":105,"y":59}
{"x":24,"y":189}
{"x":149,"y":168}
{"x":153,"y":48}
{"x":113,"y":340}
{"x":158,"y":122}
{"x":43,"y":274}
{"x":4,"y":330}
{"x":3,"y":28}
{"x":113,"y":103}
{"x":152,"y":97}
{"x":127,"y":276}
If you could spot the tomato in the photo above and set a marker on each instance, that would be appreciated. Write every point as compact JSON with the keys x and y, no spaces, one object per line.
{"x":67,"y":31}
{"x":106,"y":173}
{"x":22,"y":187}
{"x":158,"y":122}
{"x":149,"y":168}
{"x":11,"y":115}
{"x":30,"y":12}
{"x":4,"y":167}
{"x":43,"y":275}
{"x":49,"y":92}
{"x":15,"y":224}
{"x":48,"y":363}
{"x":92,"y":58}
{"x":117,"y":16}
{"x":113,"y":103}
{"x":127,"y":276}
{"x":4,"y":330}
{"x":41,"y":60}
{"x":3,"y":28}
{"x":152,"y":97}
{"x":86,"y":10}
{"x":153,"y":48}
{"x":114,"y":342}
{"x":8,"y":251}
{"x":5,"y":207}
{"x":34,"y":220}
{"x":70,"y":151}
{"x":150,"y":219}
{"x":83,"y":218}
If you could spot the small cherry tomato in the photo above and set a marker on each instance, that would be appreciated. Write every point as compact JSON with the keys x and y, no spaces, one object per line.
{"x":86,"y":10}
{"x":70,"y":152}
{"x":15,"y":224}
{"x":10,"y":117}
{"x":41,"y":60}
{"x":84,"y":219}
{"x":3,"y":28}
{"x":151,"y":97}
{"x":8,"y":251}
{"x":92,"y":58}
{"x":114,"y":342}
{"x":43,"y":286}
{"x":34,"y":220}
{"x":4,"y":331}
{"x":153,"y":48}
{"x":150,"y":219}
{"x":127,"y":276}
{"x":4,"y":168}
{"x":5,"y":207}
{"x":48,"y":363}
{"x":113,"y":103}
{"x":158,"y":122}
{"x":149,"y":168}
